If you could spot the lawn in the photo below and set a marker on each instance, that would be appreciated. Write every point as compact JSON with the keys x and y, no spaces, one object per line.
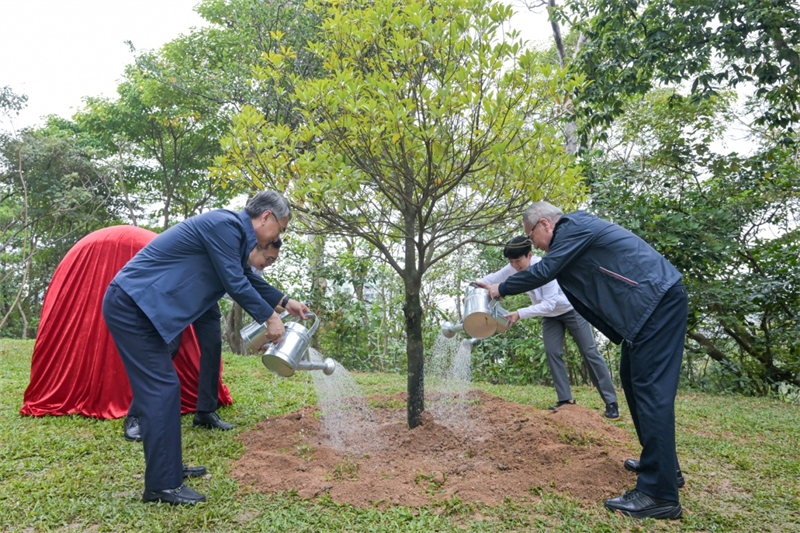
{"x":741,"y":459}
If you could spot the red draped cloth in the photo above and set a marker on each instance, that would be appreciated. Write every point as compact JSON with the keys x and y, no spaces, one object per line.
{"x":76,"y":368}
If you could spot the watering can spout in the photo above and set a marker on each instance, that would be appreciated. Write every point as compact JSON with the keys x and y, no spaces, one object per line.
{"x":449,"y":329}
{"x":328,"y":366}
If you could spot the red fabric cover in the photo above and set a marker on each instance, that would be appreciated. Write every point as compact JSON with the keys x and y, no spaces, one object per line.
{"x":76,"y":368}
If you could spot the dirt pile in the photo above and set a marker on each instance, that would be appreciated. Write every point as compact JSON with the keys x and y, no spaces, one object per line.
{"x":508,"y":450}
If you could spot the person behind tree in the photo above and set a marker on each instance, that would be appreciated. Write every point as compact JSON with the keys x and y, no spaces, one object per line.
{"x":558,"y":317}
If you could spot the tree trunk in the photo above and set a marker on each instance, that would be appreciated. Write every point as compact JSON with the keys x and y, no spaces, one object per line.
{"x":319,"y":284}
{"x":415,"y":353}
{"x":234,"y":322}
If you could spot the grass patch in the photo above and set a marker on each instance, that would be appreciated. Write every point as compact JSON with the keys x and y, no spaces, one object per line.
{"x":740,"y":457}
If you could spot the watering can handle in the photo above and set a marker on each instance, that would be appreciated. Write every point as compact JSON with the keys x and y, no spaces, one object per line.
{"x":316,"y":322}
{"x":308,"y":315}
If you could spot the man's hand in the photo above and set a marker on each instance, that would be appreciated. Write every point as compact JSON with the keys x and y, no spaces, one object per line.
{"x":275,"y":328}
{"x":296,"y":308}
{"x":512,"y":318}
{"x":494,"y":290}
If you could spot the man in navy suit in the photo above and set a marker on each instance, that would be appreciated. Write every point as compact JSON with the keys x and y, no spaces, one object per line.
{"x":210,"y":342}
{"x":177,"y":280}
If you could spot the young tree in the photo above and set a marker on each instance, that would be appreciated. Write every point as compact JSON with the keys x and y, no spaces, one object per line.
{"x":429,"y":127}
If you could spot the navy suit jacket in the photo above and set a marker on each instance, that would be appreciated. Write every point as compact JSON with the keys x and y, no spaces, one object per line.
{"x":185,"y":270}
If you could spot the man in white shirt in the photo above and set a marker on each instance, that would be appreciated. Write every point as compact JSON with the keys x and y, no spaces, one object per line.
{"x":558,"y":316}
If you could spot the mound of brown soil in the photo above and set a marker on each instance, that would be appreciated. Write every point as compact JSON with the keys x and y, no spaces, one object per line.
{"x":508,"y":450}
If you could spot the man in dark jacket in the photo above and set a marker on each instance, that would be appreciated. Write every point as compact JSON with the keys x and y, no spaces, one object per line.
{"x":174,"y":281}
{"x":210,"y":343}
{"x":636,"y":298}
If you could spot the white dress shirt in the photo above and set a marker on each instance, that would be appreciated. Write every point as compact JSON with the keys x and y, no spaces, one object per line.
{"x":547,"y":300}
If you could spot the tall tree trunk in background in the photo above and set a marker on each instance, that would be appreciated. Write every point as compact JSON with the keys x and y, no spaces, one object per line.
{"x":122,"y":186}
{"x":570,"y":128}
{"x":234,"y":321}
{"x":318,"y":282}
{"x":27,"y":240}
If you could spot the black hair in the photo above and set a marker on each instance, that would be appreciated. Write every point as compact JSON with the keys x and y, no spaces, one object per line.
{"x":517,"y":247}
{"x":277,"y":243}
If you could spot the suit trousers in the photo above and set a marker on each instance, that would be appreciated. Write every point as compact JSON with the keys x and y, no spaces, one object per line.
{"x":650,"y":368}
{"x":155,"y":385}
{"x":553,"y":333}
{"x":208,"y":331}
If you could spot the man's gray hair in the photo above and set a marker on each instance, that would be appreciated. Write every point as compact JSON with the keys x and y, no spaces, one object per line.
{"x":539,"y":210}
{"x":268,"y":201}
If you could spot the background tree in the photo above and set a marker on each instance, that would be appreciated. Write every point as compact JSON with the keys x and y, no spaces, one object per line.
{"x":428,"y":128}
{"x":728,"y":222}
{"x":210,"y":68}
{"x":635,"y":46}
{"x":53,"y":191}
{"x":171,"y":145}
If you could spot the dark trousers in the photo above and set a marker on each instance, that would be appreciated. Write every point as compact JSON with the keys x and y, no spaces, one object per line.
{"x":208,"y":331}
{"x":155,"y":385}
{"x":649,"y":370}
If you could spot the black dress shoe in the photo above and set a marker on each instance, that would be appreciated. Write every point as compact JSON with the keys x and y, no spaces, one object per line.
{"x":632,"y":465}
{"x":131,"y":430}
{"x":637,"y":504}
{"x":179,"y":496}
{"x":562,"y":403}
{"x":193,"y":471}
{"x":210,"y":420}
{"x":612,"y":411}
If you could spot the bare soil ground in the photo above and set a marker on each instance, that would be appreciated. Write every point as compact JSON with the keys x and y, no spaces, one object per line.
{"x":506,"y":450}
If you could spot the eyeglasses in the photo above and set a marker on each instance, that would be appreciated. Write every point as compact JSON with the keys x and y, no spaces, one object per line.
{"x":533,"y":228}
{"x":282,"y":228}
{"x":268,"y":260}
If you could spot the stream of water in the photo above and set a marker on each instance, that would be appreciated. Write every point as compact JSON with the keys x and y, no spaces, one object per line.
{"x":448,"y":376}
{"x":346,"y":421}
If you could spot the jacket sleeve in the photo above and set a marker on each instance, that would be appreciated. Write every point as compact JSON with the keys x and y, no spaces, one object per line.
{"x":222,"y":242}
{"x":570,"y":240}
{"x":269,"y":293}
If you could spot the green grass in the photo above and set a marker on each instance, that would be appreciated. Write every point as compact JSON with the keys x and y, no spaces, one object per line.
{"x":741,"y":458}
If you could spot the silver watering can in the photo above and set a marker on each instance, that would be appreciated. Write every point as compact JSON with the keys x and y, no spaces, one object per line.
{"x":483,"y":316}
{"x":286,"y":357}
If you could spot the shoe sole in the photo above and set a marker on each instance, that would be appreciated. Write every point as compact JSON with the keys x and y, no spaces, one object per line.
{"x":129,"y":439}
{"x":211,"y":426}
{"x":610,"y":418}
{"x":183,"y":502}
{"x":658,"y":513}
{"x":681,"y":480}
